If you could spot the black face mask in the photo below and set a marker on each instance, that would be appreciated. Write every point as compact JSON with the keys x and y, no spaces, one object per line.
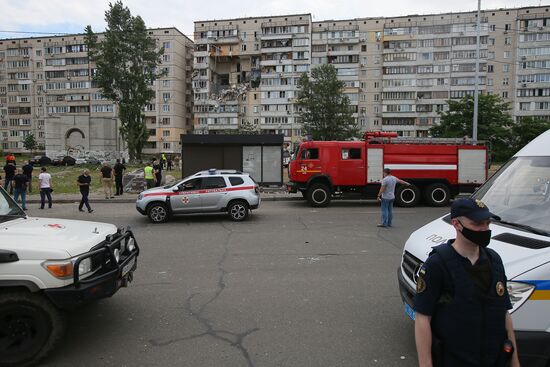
{"x":480,"y":238}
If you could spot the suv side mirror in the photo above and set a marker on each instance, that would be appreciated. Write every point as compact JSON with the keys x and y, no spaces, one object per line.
{"x":176,"y":188}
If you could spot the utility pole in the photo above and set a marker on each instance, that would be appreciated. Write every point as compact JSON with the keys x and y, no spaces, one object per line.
{"x":476,"y":90}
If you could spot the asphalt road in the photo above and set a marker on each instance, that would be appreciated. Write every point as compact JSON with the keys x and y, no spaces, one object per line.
{"x":292,"y":286}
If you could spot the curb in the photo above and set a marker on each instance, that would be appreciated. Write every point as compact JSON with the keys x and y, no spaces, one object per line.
{"x":131,"y":201}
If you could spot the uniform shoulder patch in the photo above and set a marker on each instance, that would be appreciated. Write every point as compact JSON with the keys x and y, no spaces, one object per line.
{"x":420,"y":285}
{"x":500,"y":289}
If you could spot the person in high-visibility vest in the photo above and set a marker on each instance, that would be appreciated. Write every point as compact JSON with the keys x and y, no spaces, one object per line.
{"x":149,"y":176}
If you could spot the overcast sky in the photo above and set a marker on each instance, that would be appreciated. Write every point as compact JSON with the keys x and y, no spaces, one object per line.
{"x":71,"y":16}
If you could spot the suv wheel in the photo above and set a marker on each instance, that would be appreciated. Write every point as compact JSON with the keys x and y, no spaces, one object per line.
{"x":30,"y":327}
{"x":158,"y":212}
{"x":238,"y":210}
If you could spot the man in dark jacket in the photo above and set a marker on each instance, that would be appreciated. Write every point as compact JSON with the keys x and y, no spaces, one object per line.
{"x":9,"y":170}
{"x":27,"y":171}
{"x":19,"y":184}
{"x":119,"y":169}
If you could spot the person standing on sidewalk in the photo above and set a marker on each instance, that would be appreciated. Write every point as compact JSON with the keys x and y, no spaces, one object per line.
{"x":157,"y":168}
{"x":44,"y":182}
{"x":386,"y":196}
{"x":9,"y":170}
{"x":27,"y":171}
{"x":83,"y":181}
{"x":149,"y":176}
{"x":107,"y":180}
{"x":119,"y":173}
{"x":20,"y":182}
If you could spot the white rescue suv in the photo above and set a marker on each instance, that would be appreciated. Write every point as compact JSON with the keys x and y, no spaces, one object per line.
{"x":48,"y":265}
{"x":520,"y":194}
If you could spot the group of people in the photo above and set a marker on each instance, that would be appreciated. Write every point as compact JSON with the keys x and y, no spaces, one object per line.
{"x":152,"y":173}
{"x":18,"y":182}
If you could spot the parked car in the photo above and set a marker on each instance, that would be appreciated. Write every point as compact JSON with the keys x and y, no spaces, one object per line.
{"x":73,"y":263}
{"x":212,"y":191}
{"x":40,"y":160}
{"x":64,"y":161}
{"x":92,"y":160}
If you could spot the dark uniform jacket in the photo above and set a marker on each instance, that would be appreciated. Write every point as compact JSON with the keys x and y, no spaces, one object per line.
{"x":468,"y":304}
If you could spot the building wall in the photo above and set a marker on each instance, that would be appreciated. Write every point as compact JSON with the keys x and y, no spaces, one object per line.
{"x":398,"y":71}
{"x":46,"y":89}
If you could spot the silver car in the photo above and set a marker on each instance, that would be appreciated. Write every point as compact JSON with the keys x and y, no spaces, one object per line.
{"x":209,"y":191}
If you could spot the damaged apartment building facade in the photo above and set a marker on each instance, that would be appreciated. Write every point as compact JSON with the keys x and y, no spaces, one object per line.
{"x":47,"y":90}
{"x":398,"y":72}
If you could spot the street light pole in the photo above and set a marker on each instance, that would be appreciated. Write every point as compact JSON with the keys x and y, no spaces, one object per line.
{"x":476,"y":97}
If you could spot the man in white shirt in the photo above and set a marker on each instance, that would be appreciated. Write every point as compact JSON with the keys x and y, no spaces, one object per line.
{"x":44,"y":182}
{"x":386,"y":196}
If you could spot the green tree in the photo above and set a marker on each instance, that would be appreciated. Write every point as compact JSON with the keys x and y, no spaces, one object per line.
{"x":494,"y":122}
{"x":326,"y":113}
{"x":30,"y":142}
{"x":525,"y":130}
{"x":126,"y":61}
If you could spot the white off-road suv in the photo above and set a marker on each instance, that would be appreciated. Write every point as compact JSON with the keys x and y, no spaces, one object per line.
{"x":212,"y":191}
{"x":48,"y":265}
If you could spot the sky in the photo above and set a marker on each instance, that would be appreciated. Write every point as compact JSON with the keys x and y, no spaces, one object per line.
{"x":71,"y":16}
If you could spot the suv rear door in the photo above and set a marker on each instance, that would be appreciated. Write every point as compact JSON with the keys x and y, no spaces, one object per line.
{"x":213,"y":192}
{"x":187,"y":199}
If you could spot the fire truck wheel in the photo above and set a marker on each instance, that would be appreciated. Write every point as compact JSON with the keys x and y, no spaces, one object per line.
{"x":318,"y":195}
{"x":437,"y":194}
{"x":407,"y":196}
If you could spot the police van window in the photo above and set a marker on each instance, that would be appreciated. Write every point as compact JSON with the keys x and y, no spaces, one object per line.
{"x":213,"y":183}
{"x":311,"y":153}
{"x":236,"y":181}
{"x":351,"y":153}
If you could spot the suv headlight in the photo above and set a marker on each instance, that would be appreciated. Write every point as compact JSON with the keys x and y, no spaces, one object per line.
{"x":64,"y":269}
{"x":519,"y":293}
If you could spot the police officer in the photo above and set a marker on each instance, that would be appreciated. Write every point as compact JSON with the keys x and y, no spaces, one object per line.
{"x":461,"y":300}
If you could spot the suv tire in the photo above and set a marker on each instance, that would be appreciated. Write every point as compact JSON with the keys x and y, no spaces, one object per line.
{"x":30,"y":327}
{"x":158,"y":212}
{"x":238,"y":210}
{"x":318,"y":195}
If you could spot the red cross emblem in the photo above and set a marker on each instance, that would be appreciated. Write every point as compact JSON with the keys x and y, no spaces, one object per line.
{"x":55,"y":226}
{"x":185,"y":200}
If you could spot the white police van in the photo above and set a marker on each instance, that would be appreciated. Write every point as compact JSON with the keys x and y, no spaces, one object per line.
{"x":520,"y":194}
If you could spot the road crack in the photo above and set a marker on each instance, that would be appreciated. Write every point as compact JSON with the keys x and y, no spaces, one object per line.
{"x":234,"y":339}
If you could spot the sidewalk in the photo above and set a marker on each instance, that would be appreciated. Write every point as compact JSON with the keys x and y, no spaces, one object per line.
{"x":267,"y":194}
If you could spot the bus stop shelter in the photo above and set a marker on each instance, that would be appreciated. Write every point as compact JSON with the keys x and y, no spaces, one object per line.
{"x":261,"y":156}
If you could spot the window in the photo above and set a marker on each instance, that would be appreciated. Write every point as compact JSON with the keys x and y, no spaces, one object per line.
{"x":166,"y":133}
{"x":504,"y":94}
{"x":213,"y":183}
{"x":351,"y":153}
{"x":166,"y":83}
{"x":165,"y":108}
{"x":490,"y":68}
{"x":236,"y":181}
{"x":506,"y":54}
{"x":312,"y":153}
{"x":505,"y":81}
{"x":166,"y":58}
{"x":166,"y":44}
{"x":505,"y":68}
{"x":508,"y":41}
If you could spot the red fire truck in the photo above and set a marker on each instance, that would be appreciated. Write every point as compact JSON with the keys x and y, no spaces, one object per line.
{"x":438,"y":169}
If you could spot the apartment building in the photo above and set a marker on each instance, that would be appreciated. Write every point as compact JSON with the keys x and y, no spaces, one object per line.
{"x":46,"y":89}
{"x":398,"y":72}
{"x":246,"y":73}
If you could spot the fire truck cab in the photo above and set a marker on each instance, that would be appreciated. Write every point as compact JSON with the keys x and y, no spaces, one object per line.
{"x":438,"y":169}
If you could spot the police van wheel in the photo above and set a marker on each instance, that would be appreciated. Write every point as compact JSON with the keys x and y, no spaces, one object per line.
{"x":318,"y":195}
{"x":30,"y":327}
{"x":158,"y":212}
{"x":437,"y":194}
{"x":238,"y":210}
{"x":407,"y":196}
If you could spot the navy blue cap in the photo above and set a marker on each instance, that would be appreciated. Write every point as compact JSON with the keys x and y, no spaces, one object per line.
{"x":472,"y":209}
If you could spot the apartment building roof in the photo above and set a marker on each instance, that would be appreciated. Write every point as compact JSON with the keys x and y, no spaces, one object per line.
{"x":82,"y":34}
{"x":248,"y":18}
